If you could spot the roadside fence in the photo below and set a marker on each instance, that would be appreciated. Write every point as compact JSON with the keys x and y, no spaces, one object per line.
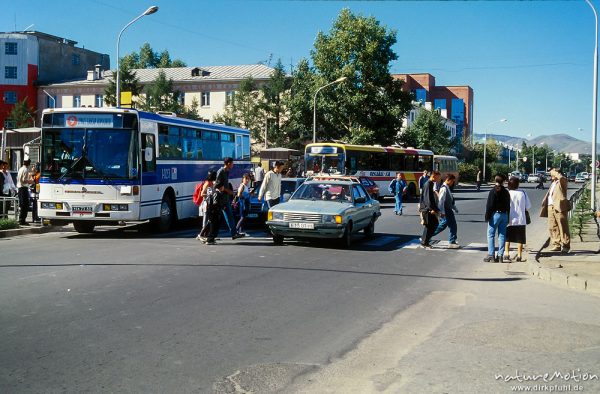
{"x":7,"y":203}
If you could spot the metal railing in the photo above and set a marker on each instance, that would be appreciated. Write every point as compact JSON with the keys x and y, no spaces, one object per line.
{"x":575,"y":197}
{"x":5,"y":205}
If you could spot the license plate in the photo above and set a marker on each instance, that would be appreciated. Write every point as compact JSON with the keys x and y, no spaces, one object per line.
{"x":309,"y":226}
{"x":83,"y":210}
{"x":253,"y":215}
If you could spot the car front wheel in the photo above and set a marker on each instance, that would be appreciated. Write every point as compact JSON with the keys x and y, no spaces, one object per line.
{"x":347,"y":237}
{"x":370,"y":229}
{"x":278,"y":239}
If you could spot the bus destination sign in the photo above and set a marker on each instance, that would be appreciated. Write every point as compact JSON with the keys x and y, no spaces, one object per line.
{"x":323,"y":150}
{"x":85,"y":120}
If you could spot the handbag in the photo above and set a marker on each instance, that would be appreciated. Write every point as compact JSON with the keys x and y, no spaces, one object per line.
{"x":527,"y":217}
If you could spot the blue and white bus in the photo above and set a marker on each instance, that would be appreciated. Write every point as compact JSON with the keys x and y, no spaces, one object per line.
{"x":106,"y":166}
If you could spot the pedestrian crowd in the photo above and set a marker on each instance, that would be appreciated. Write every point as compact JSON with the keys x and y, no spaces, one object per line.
{"x":219,"y":202}
{"x":25,"y":190}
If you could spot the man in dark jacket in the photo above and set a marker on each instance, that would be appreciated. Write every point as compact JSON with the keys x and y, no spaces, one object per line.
{"x":214,"y":206}
{"x":428,"y":208}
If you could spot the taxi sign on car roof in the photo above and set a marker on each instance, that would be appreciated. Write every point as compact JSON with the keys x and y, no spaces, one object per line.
{"x":334,"y":178}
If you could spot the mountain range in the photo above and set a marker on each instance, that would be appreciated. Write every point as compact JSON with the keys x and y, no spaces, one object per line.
{"x":558,"y":142}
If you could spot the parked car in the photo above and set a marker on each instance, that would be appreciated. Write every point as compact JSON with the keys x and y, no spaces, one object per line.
{"x":533,"y":178}
{"x":586,"y":175}
{"x":325,"y":208}
{"x":370,"y":186}
{"x":258,"y":209}
{"x":580,"y":178}
{"x":572,"y":176}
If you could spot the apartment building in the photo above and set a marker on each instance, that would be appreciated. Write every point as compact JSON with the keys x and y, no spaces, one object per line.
{"x":456,"y":101}
{"x":213,"y":87}
{"x":31,"y":58}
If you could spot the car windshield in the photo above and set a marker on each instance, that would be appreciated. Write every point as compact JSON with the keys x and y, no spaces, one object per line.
{"x":324,"y":192}
{"x":288,"y":186}
{"x":89,"y":153}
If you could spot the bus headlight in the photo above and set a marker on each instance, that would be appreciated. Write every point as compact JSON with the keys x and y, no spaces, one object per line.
{"x":115,"y":207}
{"x":52,"y":205}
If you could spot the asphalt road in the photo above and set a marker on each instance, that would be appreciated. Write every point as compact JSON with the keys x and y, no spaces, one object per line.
{"x":123,"y":311}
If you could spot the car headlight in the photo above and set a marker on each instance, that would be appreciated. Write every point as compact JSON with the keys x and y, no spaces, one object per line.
{"x":275,"y":215}
{"x":332,"y":219}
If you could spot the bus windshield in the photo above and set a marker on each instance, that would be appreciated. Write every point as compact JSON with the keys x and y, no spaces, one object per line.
{"x":89,"y":153}
{"x":325,"y":163}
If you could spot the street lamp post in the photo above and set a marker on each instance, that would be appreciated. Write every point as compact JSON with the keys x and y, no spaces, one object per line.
{"x":149,"y":11}
{"x":485,"y":144}
{"x":594,"y":109}
{"x":341,"y":79}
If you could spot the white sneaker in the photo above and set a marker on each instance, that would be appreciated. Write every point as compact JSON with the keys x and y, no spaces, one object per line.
{"x":453,"y":245}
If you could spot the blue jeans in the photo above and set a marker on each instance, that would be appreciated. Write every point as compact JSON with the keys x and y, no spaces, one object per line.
{"x":398,"y":206}
{"x":228,"y":215}
{"x":449,"y":220}
{"x":498,"y":222}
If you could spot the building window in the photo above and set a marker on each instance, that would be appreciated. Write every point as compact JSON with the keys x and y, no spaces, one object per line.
{"x":181,"y":98}
{"x":421,"y":95}
{"x":439,"y":103}
{"x":10,"y":48}
{"x":76,"y":101}
{"x":99,"y":100}
{"x":9,"y":124}
{"x":205,"y":99}
{"x":10,"y":97}
{"x":229,"y":96}
{"x":10,"y":72}
{"x":75,"y":59}
{"x":50,"y":101}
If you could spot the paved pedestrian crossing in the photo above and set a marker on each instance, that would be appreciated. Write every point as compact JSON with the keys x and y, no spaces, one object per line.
{"x":473,"y":247}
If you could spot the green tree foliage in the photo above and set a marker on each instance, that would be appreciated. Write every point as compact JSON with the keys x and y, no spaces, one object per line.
{"x":428,"y":132}
{"x":369,"y":105}
{"x":21,"y":114}
{"x":298,"y":126}
{"x":468,"y":171}
{"x":275,"y":97}
{"x":160,"y":96}
{"x":148,"y":58}
{"x":129,"y":83}
{"x":245,"y":111}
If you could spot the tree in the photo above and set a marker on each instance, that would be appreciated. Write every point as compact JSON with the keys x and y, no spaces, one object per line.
{"x":428,"y":132}
{"x":128,"y":83}
{"x":160,"y":96}
{"x":21,"y":114}
{"x":369,"y":106}
{"x":148,"y":58}
{"x":274,"y":100}
{"x":298,"y":126}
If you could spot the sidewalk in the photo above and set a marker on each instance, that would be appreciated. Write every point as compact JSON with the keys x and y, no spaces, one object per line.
{"x":33,"y":228}
{"x":579,"y":270}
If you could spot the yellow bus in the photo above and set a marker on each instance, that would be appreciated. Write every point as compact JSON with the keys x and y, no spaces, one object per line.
{"x":376,"y":162}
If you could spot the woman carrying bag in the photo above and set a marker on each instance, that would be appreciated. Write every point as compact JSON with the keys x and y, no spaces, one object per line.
{"x":517,"y":218}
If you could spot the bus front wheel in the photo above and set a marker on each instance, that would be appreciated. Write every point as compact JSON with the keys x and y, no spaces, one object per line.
{"x":167,"y":215}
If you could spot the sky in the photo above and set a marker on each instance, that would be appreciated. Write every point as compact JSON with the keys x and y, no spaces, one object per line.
{"x":529,"y":62}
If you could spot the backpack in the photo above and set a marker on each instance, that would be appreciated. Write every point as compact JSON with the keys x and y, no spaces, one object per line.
{"x":197,"y":197}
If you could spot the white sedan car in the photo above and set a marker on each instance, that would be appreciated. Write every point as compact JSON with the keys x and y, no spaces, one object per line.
{"x":533,"y":178}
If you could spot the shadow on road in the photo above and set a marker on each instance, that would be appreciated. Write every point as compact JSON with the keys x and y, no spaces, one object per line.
{"x":269,"y":267}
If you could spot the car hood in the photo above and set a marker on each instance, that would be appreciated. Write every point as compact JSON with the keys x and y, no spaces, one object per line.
{"x":308,"y":206}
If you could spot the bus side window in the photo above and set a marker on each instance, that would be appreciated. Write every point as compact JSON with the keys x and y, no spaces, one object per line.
{"x":148,"y":142}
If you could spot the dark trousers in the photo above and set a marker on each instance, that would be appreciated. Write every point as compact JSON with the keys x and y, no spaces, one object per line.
{"x":214,"y":223}
{"x":431,"y":223}
{"x":272,"y":203}
{"x":23,"y":203}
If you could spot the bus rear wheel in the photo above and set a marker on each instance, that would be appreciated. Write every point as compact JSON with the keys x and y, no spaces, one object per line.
{"x":84,"y":227}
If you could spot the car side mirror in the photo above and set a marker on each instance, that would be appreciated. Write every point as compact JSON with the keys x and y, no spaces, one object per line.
{"x":360,"y":200}
{"x":148,"y":154}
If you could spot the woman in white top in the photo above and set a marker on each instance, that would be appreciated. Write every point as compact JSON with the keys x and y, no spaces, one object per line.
{"x":515,"y":231}
{"x":207,"y":189}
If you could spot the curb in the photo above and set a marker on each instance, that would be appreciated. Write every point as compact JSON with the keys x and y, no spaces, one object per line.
{"x":558,"y":277}
{"x":25,"y":231}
